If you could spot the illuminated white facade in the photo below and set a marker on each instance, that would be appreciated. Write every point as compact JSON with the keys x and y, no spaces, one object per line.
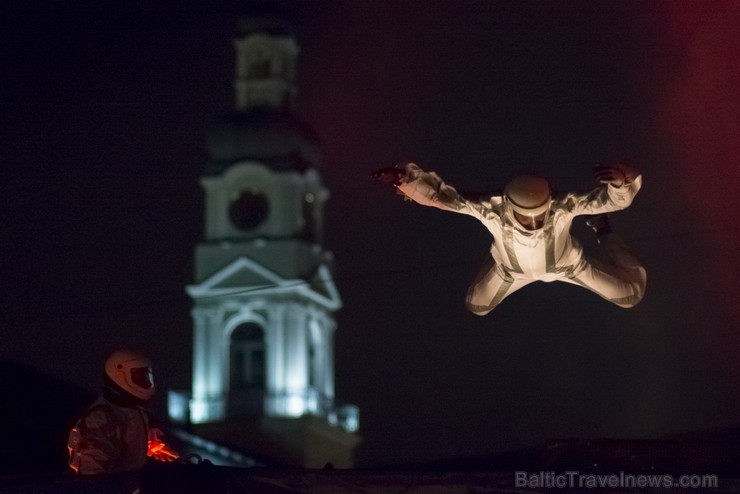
{"x":294,"y":343}
{"x":264,"y":296}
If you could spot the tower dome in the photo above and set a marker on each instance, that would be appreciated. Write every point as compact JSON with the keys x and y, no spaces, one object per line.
{"x":272,"y":136}
{"x":262,"y":127}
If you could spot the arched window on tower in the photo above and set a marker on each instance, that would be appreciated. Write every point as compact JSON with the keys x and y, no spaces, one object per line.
{"x":247,"y":357}
{"x":246,"y":370}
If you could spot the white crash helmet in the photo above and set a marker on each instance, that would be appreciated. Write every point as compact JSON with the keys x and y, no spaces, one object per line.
{"x":132,"y":372}
{"x":528,"y":195}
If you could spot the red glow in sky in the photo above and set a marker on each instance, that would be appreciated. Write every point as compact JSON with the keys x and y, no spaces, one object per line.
{"x":700,"y":119}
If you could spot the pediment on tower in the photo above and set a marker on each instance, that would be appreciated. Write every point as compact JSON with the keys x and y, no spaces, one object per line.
{"x":244,"y":276}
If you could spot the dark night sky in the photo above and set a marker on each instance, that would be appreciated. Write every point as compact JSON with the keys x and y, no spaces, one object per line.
{"x":104,"y":106}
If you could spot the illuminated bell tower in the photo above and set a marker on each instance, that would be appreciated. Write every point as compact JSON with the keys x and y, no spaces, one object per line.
{"x":263,"y":295}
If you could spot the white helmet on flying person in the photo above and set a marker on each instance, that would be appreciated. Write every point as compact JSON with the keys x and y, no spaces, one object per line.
{"x":529,"y":198}
{"x":132,"y":373}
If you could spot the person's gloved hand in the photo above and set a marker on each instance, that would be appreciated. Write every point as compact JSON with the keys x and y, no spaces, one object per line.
{"x":157,"y":449}
{"x":391,"y":175}
{"x":616,"y":175}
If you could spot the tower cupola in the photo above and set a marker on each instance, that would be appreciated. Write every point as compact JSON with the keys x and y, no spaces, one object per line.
{"x":266,"y":54}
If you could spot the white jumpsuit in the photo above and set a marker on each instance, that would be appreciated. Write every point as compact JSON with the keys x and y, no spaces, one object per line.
{"x":519,"y":256}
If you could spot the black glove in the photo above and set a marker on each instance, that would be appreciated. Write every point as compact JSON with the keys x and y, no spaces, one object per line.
{"x":616,"y":175}
{"x":394,"y":176}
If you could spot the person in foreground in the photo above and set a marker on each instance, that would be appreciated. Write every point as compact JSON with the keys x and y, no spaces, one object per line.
{"x":113,"y":434}
{"x":531,"y":233}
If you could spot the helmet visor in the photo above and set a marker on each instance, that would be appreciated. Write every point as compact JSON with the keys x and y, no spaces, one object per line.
{"x":530,"y":222}
{"x":142,"y":377}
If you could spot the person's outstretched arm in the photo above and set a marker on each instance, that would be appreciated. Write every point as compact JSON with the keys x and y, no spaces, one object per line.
{"x":427,"y":189}
{"x":619,"y":186}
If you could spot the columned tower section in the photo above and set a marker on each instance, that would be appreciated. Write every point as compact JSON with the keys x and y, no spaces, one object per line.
{"x":264,"y":296}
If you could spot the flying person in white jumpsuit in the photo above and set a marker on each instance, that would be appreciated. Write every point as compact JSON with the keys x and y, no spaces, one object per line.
{"x":531,"y":233}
